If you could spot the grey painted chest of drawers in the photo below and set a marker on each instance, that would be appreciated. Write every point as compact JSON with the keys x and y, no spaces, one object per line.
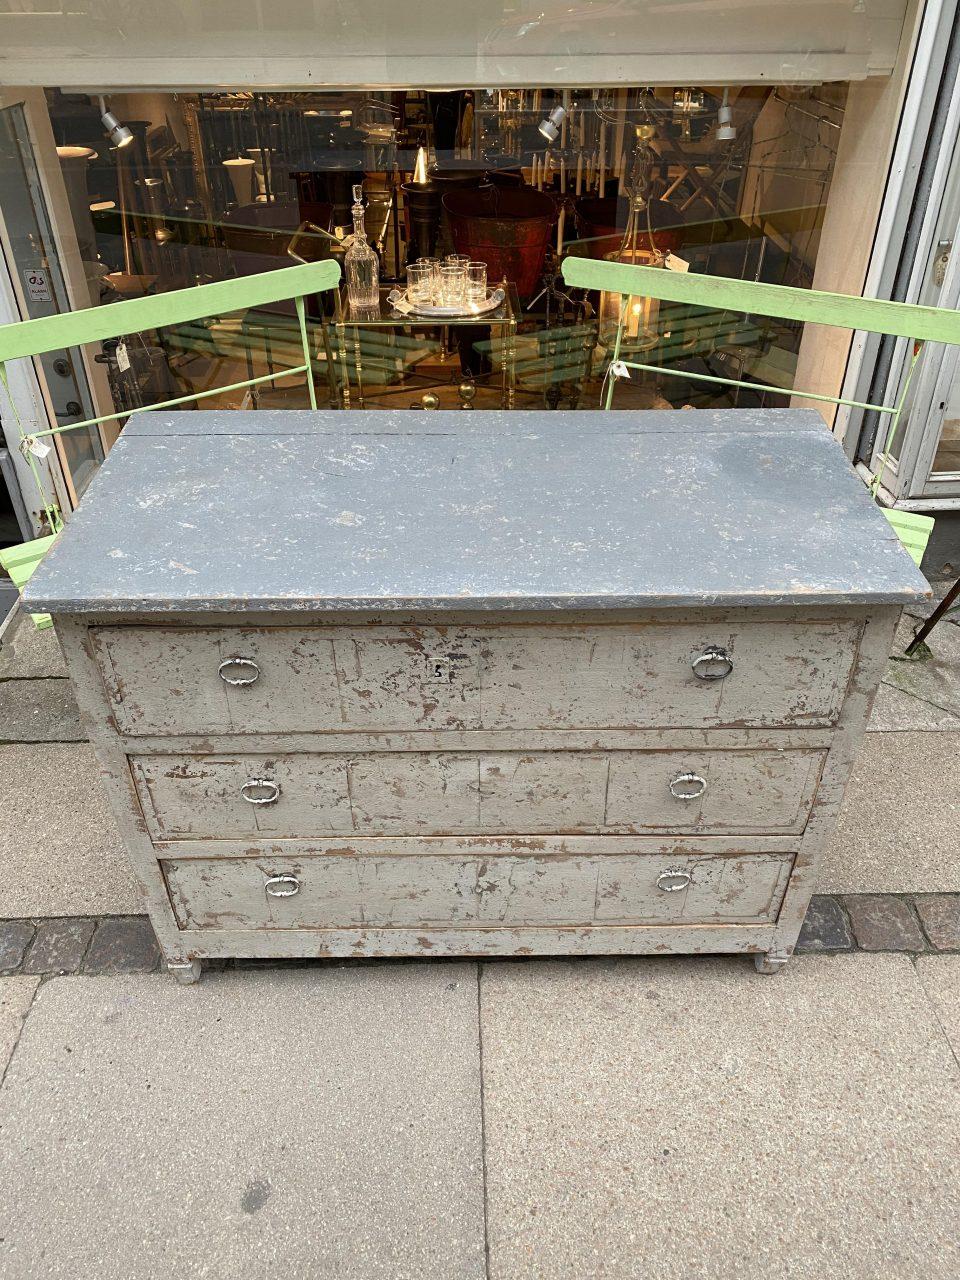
{"x":476,"y":684}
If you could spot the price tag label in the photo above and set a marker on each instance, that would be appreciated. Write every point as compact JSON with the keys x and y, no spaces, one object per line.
{"x":673,"y":263}
{"x":619,"y":370}
{"x":39,"y":448}
{"x":123,"y":357}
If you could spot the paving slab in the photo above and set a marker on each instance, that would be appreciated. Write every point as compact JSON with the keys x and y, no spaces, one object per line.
{"x":935,"y":681}
{"x":31,"y":653}
{"x":16,"y":995}
{"x":940,"y":976}
{"x":668,"y":1119}
{"x":294,"y":1123}
{"x":897,"y":712}
{"x":39,"y":711}
{"x":899,"y":828}
{"x":60,"y":851}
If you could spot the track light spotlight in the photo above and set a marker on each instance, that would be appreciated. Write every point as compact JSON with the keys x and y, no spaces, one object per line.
{"x":118,"y":133}
{"x":726,"y":129}
{"x":550,"y":128}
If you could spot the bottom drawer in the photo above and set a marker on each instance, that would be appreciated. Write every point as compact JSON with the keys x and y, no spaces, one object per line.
{"x":331,"y":891}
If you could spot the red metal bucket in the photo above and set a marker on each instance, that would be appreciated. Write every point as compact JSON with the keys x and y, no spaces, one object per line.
{"x":508,"y":228}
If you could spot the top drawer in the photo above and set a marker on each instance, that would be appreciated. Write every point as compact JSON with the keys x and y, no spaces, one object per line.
{"x":218,"y":680}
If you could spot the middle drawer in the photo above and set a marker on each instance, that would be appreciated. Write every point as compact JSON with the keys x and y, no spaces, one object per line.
{"x":294,"y":794}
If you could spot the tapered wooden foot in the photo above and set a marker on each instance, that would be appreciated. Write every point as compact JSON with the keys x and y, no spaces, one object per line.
{"x":771,"y":961}
{"x":185,"y":971}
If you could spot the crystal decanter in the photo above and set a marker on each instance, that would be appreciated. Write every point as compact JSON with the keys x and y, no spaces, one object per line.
{"x":360,"y":265}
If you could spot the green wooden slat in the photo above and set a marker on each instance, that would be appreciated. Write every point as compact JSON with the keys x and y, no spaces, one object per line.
{"x":51,"y":333}
{"x":900,"y":319}
{"x":913,"y":530}
{"x":20,"y":562}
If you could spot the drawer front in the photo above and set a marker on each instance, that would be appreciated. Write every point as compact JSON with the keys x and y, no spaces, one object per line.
{"x":458,"y":792}
{"x":166,"y":681}
{"x":288,"y":679}
{"x":330,"y":891}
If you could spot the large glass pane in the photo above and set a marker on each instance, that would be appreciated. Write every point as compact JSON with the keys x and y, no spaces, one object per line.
{"x":210,"y":186}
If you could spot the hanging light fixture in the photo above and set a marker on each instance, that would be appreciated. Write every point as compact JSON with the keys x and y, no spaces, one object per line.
{"x":118,"y":133}
{"x":726,"y":129}
{"x":550,"y":128}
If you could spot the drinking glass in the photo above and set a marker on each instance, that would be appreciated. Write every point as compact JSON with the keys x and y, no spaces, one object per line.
{"x":456,"y":260}
{"x":476,"y":281}
{"x":420,"y":282}
{"x":453,"y":285}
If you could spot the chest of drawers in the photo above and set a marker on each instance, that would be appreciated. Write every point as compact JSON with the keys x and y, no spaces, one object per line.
{"x":475,"y":684}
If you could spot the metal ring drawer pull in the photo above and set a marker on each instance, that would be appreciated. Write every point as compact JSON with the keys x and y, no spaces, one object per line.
{"x":673,"y":880}
{"x":688,"y":786}
{"x":281,"y":886}
{"x":704,"y":667}
{"x":238,"y":681}
{"x":267,"y":785}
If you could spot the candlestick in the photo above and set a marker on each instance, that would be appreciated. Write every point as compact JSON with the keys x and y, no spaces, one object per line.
{"x":579,"y":182}
{"x":563,"y":151}
{"x":563,"y":214}
{"x":601,"y":177}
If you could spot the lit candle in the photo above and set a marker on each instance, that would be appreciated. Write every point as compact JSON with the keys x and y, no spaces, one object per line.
{"x":579,"y":173}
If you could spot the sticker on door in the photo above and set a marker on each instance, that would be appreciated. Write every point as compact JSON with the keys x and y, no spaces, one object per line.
{"x":38,"y":288}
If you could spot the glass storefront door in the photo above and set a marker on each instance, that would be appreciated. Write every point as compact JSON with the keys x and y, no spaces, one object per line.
{"x":33,"y":263}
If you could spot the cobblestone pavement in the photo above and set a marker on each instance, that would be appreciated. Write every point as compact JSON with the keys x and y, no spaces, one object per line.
{"x":917,"y":924}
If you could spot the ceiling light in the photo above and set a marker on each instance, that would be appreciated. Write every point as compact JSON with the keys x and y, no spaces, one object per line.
{"x":726,"y":129}
{"x":118,"y":133}
{"x":550,"y":128}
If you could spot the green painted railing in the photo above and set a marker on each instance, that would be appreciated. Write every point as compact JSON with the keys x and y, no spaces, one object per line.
{"x":778,"y":302}
{"x":120,"y":319}
{"x":30,"y":338}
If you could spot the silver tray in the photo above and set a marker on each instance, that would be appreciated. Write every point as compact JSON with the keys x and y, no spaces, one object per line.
{"x":430,"y":311}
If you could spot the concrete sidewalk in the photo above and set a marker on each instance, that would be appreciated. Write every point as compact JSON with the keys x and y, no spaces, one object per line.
{"x":638,"y":1119}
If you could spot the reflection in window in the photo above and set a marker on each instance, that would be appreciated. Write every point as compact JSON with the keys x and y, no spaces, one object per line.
{"x":732,"y":182}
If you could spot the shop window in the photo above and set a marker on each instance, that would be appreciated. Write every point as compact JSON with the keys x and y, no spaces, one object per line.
{"x":730,"y":181}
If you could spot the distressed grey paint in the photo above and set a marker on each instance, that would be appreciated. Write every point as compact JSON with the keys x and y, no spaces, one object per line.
{"x":439,"y":793}
{"x":551,"y":512}
{"x":531,"y":890}
{"x":486,"y":772}
{"x":166,"y":681}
